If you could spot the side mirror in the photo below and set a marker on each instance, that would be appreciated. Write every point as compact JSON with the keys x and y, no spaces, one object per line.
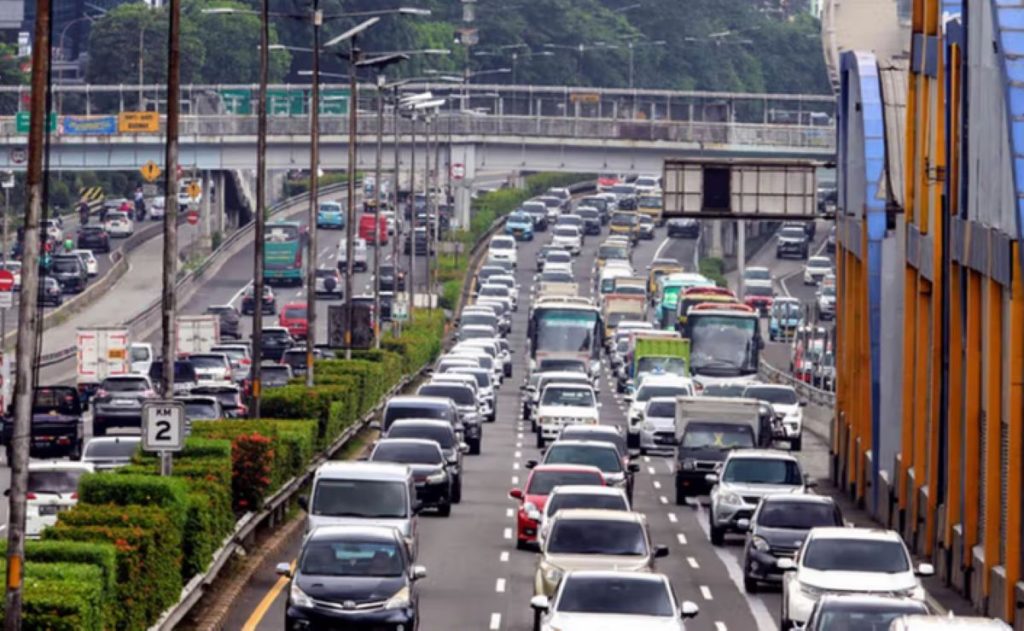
{"x":304,"y":503}
{"x":464,"y":448}
{"x":786,"y":565}
{"x":711,"y":478}
{"x":925,"y":569}
{"x":417,"y":507}
{"x":689,"y":609}
{"x":531,"y":464}
{"x":516,"y":494}
{"x":418,"y":572}
{"x":540,"y":603}
{"x":803,"y":403}
{"x":809,"y":483}
{"x":634,"y":467}
{"x":660,"y":552}
{"x":283,"y":569}
{"x":743,"y":525}
{"x":377,"y":426}
{"x":628,"y":398}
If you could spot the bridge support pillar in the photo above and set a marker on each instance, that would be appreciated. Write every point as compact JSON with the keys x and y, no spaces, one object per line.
{"x":466,"y":155}
{"x":716,"y":251}
{"x":205,"y":221}
{"x":219,"y":204}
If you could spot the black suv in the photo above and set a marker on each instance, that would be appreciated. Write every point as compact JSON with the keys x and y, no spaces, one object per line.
{"x":94,"y":238}
{"x":274,"y":341}
{"x":50,"y":292}
{"x":249,"y":300}
{"x":56,"y":427}
{"x":391,"y":279}
{"x":69,"y":272}
{"x":230,"y":320}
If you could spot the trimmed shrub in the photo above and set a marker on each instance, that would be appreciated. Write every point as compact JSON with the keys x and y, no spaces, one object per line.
{"x":252,"y":456}
{"x":63,"y":597}
{"x":333,"y":406}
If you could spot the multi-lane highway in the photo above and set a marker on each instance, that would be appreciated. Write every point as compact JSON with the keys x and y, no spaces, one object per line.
{"x":478,"y":580}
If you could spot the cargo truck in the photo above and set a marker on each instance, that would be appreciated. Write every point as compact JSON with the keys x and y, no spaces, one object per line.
{"x":196,"y":334}
{"x":102,"y":352}
{"x":617,"y":308}
{"x":706,"y":429}
{"x":655,"y":354}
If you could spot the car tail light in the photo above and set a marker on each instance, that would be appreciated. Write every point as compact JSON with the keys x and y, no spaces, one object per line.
{"x":228,"y":374}
{"x":245,"y":361}
{"x":74,"y":496}
{"x":101,"y":393}
{"x":31,"y":496}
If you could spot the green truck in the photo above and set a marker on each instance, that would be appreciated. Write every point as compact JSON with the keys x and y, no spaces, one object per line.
{"x":649,"y":354}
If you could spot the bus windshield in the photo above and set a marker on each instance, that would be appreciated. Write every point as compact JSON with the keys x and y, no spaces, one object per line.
{"x":565,"y":330}
{"x":723,"y":345}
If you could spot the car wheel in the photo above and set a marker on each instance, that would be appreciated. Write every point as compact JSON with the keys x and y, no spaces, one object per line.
{"x":521,"y":545}
{"x":76,"y":451}
{"x":681,"y":496}
{"x":717,"y":535}
{"x":540,"y":439}
{"x":457,"y":490}
{"x":474,"y":447}
{"x":445,"y":510}
{"x":749,"y":584}
{"x":796,"y":444}
{"x":632,"y":441}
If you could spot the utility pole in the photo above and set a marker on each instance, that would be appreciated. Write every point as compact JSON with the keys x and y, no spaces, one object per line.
{"x":412,"y":215}
{"x":261,"y":202}
{"x":171,"y":211}
{"x":353,"y":104}
{"x":28,"y":320}
{"x":378,"y":182}
{"x":436,"y":211}
{"x":426,"y":205}
{"x":314,"y":198}
{"x":399,"y":221}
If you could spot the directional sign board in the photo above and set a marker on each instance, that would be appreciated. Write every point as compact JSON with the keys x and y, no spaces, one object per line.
{"x":163,"y":426}
{"x":150,"y":171}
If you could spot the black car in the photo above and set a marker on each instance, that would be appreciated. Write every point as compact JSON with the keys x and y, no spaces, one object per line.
{"x":601,"y":204}
{"x":538,"y":212}
{"x":428,"y":465}
{"x":591,"y":219}
{"x":68,"y":270}
{"x":444,"y":435}
{"x":93,"y":238}
{"x":628,"y":202}
{"x":185,"y":376}
{"x":275,"y":375}
{"x":792,"y":240}
{"x":229,"y":397}
{"x":50,"y":292}
{"x":230,"y":320}
{"x":353,"y":577}
{"x":118,"y":402}
{"x":391,"y":279}
{"x":295,"y":357}
{"x":274,"y":342}
{"x":778,"y":528}
{"x":56,"y":428}
{"x":830,"y":240}
{"x":421,"y":242}
{"x":249,"y":300}
{"x":686,"y":227}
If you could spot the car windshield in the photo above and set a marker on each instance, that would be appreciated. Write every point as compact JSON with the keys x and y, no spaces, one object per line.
{"x":586,"y":432}
{"x":572,"y":365}
{"x":556,"y":277}
{"x":621,"y":596}
{"x":797,"y":515}
{"x":558,"y":256}
{"x":62,"y":400}
{"x":870,"y":620}
{"x":597,"y":536}
{"x":855,"y":555}
{"x":139,"y":353}
{"x":612,"y":252}
{"x":329,"y":273}
{"x":793,"y":232}
{"x":124,"y":385}
{"x":483,"y":377}
{"x":60,"y":481}
{"x":828,"y":291}
{"x":443,"y":436}
{"x":565,"y":501}
{"x":604,"y":458}
{"x":771,"y":394}
{"x":427,"y":411}
{"x":120,"y":449}
{"x":460,"y":395}
{"x":725,"y":390}
{"x":227,"y":398}
{"x":757,"y":290}
{"x":757,"y":273}
{"x":647,"y":392}
{"x":541,"y":482}
{"x":763,"y":471}
{"x":370,"y":499}
{"x":275,"y":375}
{"x":700,"y":436}
{"x":63,"y":265}
{"x":352,"y":558}
{"x":661,"y":366}
{"x":568,"y":397}
{"x":587,"y":213}
{"x":295,"y":313}
{"x":566,"y":231}
{"x":207,"y":361}
{"x":478,"y":318}
{"x":201,"y":410}
{"x":661,"y":409}
{"x":407,"y":453}
{"x":501,"y":243}
{"x":494,"y":290}
{"x":819,"y":262}
{"x":624,"y":219}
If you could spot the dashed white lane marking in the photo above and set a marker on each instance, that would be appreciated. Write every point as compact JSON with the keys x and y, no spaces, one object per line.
{"x":518,"y":454}
{"x":648,"y":459}
{"x":519,"y":445}
{"x":705,"y":591}
{"x":504,"y":557}
{"x":720,"y":626}
{"x":510,"y":513}
{"x":650,"y":470}
{"x":515,"y":479}
{"x":507,"y":534}
{"x":672,"y":518}
{"x":668,"y":466}
{"x":495,"y":621}
{"x":515,"y":466}
{"x":681,"y":538}
{"x":499,"y":586}
{"x":663,"y":499}
{"x":657,"y":484}
{"x":692,"y":561}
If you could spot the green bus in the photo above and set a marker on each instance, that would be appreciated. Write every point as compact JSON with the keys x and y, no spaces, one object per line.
{"x":282,"y":253}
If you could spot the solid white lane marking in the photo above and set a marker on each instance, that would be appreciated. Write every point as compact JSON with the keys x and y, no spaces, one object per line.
{"x":495,"y":621}
{"x":668,"y":466}
{"x":657,"y":484}
{"x":507,"y":534}
{"x":705,"y":591}
{"x":672,"y":518}
{"x":657,"y":253}
{"x":663,"y":499}
{"x":499,"y":586}
{"x":693,"y":563}
{"x":504,"y":557}
{"x":681,"y":538}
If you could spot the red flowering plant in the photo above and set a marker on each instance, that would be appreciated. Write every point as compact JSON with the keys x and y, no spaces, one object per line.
{"x":252,"y":461}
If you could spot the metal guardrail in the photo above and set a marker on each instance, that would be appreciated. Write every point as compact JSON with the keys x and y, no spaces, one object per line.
{"x":814,"y":395}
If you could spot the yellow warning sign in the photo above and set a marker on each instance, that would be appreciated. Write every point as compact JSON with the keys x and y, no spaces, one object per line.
{"x":193,"y":190}
{"x":138,"y":122}
{"x":150,"y":171}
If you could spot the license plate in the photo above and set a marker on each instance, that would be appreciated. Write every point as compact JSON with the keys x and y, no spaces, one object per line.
{"x":122,"y":402}
{"x":664,"y":440}
{"x":51,"y":509}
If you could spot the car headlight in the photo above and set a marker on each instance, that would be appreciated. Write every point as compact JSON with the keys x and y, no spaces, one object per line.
{"x":299,"y":598}
{"x":435,"y":478}
{"x":552,"y":574}
{"x":760,"y":544}
{"x":689,"y":464}
{"x":648,"y":426}
{"x":399,"y":600}
{"x":811,"y":592}
{"x":531,"y":511}
{"x":731,"y":499}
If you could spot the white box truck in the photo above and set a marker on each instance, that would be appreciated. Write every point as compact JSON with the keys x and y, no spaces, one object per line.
{"x":196,"y":334}
{"x":102,"y":352}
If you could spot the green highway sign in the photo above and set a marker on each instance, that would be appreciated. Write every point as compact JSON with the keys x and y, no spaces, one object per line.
{"x":22,"y":122}
{"x":242,"y":101}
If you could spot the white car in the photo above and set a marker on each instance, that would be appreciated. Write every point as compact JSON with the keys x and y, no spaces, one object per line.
{"x":360,"y":255}
{"x":788,"y":408}
{"x":502,"y":248}
{"x":757,"y":277}
{"x":817,"y":267}
{"x":110,"y":452}
{"x":568,"y":237}
{"x":652,"y":386}
{"x":838,"y":560}
{"x":593,"y":601}
{"x":658,"y":425}
{"x":157,"y":207}
{"x":52,"y":489}
{"x":495,"y":291}
{"x":564,"y":403}
{"x":647,"y":183}
{"x":119,"y":224}
{"x":746,"y":476}
{"x":140,"y":356}
{"x":826,"y":303}
{"x":92,"y":266}
{"x":389,"y":215}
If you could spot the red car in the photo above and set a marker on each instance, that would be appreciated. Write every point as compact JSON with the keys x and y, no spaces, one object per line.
{"x":543,"y":478}
{"x":366,"y":222}
{"x":293,"y":318}
{"x":759,"y":298}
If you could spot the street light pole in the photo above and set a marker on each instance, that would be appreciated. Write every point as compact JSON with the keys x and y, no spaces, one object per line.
{"x":261,"y":202}
{"x":399,"y":222}
{"x":377,"y":186}
{"x":412,"y":215}
{"x":353,"y":88}
{"x":314,"y":195}
{"x":426,"y":204}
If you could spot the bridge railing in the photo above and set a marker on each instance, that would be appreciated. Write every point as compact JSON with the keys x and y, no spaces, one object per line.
{"x":465,"y":125}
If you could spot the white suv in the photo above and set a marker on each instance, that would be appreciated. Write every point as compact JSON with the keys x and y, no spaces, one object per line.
{"x":746,"y":476}
{"x":502,"y":248}
{"x":563,"y":404}
{"x":788,"y":408}
{"x":837,"y":560}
